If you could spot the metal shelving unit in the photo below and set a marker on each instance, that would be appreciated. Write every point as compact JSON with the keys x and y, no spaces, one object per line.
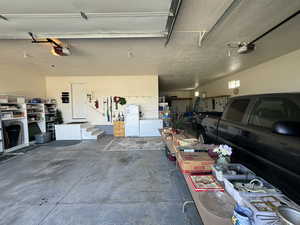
{"x":50,"y":118}
{"x":36,"y":114}
{"x":1,"y":138}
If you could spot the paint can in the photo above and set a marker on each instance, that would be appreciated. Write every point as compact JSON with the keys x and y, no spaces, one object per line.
{"x":242,"y":215}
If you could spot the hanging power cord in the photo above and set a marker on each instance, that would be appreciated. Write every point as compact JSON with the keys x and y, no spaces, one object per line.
{"x":275,"y":27}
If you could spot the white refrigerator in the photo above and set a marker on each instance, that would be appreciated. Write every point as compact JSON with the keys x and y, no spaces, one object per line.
{"x":132,"y":121}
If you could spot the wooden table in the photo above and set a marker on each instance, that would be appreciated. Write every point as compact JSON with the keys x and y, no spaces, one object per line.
{"x":215,"y":208}
{"x":169,"y":143}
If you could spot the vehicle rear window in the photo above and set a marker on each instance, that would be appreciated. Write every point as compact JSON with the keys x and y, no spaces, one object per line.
{"x":271,"y":110}
{"x":237,"y":110}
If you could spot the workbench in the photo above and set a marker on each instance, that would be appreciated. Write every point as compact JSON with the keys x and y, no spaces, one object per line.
{"x":169,"y":143}
{"x":215,"y":208}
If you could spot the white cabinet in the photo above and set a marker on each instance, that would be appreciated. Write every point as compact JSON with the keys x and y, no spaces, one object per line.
{"x":68,"y":132}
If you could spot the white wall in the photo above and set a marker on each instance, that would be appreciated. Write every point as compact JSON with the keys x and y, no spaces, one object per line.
{"x":281,"y":74}
{"x":17,"y":81}
{"x":141,"y":90}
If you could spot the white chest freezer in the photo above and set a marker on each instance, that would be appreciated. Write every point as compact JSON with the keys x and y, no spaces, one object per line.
{"x":150,"y":128}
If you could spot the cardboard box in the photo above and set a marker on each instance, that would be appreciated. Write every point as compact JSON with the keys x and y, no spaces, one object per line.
{"x":177,"y":138}
{"x":188,"y":142}
{"x":119,"y":129}
{"x":195,"y":162}
{"x":205,"y":183}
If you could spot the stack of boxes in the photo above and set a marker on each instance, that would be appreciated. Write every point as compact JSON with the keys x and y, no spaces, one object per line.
{"x":189,"y":161}
{"x":119,"y":129}
{"x":194,"y":162}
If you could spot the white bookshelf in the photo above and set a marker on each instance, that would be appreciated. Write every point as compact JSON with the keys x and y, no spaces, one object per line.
{"x":14,"y":113}
{"x":36,"y":113}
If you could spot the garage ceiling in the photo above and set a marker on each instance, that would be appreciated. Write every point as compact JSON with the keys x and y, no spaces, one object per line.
{"x":63,"y":19}
{"x":180,"y":65}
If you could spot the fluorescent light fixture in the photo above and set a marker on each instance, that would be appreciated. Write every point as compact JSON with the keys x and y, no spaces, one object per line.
{"x":234,"y":84}
{"x":196,"y":93}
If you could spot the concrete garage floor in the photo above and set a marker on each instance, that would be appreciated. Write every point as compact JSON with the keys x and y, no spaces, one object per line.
{"x":119,"y":181}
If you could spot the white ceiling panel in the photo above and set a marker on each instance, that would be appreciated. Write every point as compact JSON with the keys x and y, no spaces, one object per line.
{"x":204,"y":16}
{"x":63,"y":19}
{"x":73,"y":26}
{"x":74,"y":6}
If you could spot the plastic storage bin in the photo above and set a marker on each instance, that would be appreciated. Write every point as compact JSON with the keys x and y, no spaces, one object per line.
{"x":42,"y":138}
{"x":264,"y":207}
{"x":239,"y":196}
{"x":240,"y":172}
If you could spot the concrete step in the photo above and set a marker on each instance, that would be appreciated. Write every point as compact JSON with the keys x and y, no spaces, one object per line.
{"x":85,"y":125}
{"x":98,"y":132}
{"x":92,"y":129}
{"x":91,"y":134}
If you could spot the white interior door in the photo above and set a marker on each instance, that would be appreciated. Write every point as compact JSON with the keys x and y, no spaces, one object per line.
{"x":79,"y":105}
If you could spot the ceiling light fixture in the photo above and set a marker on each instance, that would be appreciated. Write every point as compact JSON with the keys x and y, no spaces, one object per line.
{"x":129,"y":53}
{"x":26,"y":55}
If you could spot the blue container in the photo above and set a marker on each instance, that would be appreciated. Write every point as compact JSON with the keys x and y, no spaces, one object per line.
{"x":36,"y":100}
{"x":242,"y":215}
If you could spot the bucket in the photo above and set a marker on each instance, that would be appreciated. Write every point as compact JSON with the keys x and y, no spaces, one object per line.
{"x":242,"y":215}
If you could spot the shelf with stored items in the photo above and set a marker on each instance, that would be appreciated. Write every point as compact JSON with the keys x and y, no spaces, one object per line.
{"x":1,"y":137}
{"x":36,"y":120}
{"x":12,"y":111}
{"x":10,"y":99}
{"x":35,"y":112}
{"x":50,"y":118}
{"x":14,"y":125}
